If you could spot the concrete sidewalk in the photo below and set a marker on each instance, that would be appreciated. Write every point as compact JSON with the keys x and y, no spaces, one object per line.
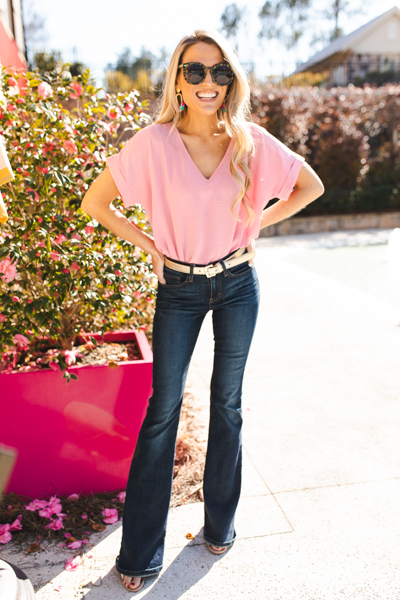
{"x":319,"y":516}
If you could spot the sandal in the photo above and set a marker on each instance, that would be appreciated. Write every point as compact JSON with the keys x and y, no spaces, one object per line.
{"x":216,"y":549}
{"x":127,"y":581}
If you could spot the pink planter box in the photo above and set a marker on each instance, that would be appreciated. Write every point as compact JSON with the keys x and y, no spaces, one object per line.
{"x":80,"y":436}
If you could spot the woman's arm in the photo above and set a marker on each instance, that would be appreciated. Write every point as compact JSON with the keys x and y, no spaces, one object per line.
{"x":98,"y":204}
{"x":308,"y":187}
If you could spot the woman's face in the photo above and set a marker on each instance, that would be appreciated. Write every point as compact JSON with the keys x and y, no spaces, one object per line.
{"x":206,"y":97}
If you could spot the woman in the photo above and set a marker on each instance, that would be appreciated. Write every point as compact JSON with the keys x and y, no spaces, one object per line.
{"x":204,"y":174}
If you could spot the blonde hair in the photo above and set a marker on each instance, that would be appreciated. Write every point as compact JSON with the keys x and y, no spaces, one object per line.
{"x":235,"y":117}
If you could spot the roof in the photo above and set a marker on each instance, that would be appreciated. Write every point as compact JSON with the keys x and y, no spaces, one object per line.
{"x":345,"y":42}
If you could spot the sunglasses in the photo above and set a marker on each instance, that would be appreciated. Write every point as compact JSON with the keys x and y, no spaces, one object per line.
{"x":194,"y":73}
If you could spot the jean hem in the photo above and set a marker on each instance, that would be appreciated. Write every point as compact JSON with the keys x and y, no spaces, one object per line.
{"x":218,"y":544}
{"x":144,"y":573}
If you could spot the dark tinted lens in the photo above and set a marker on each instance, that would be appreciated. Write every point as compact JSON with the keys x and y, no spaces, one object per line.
{"x":194,"y":73}
{"x":223,"y":75}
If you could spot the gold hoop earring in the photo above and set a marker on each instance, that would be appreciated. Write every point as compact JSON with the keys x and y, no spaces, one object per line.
{"x":180,"y":102}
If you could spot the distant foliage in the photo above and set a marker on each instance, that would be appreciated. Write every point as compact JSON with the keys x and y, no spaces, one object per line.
{"x":348,"y":135}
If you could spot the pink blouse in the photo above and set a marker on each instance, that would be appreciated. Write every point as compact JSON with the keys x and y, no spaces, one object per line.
{"x":190,"y":215}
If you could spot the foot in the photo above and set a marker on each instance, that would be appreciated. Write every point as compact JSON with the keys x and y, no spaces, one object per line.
{"x":217,"y":549}
{"x":132,"y":584}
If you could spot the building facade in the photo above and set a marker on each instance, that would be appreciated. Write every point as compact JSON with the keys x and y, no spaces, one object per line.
{"x":369,"y":54}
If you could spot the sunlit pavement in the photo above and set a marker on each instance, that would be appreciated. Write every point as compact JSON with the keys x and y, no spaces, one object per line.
{"x":319,"y":516}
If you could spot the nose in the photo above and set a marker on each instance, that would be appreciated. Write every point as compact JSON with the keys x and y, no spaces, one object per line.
{"x":208,"y":80}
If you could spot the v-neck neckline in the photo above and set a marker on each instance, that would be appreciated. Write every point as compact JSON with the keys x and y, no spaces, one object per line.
{"x":206,"y":179}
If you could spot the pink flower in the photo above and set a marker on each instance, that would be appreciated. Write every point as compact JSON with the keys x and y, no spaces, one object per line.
{"x":54,"y":502}
{"x":121,"y":496}
{"x":12,"y":81}
{"x":84,"y":516}
{"x":44,"y":90}
{"x":128,"y":107}
{"x":15,"y":299}
{"x":11,"y":107}
{"x":89,"y":229}
{"x":76,"y":236}
{"x":10,"y":507}
{"x":55,"y":255}
{"x":75,"y":266}
{"x":63,"y":544}
{"x":36,"y":195}
{"x":117,"y":272}
{"x":2,"y":318}
{"x":113,"y":112}
{"x":36,"y":504}
{"x":20,"y":340}
{"x":17,"y":524}
{"x":73,"y":563}
{"x":73,"y":497}
{"x":110,"y":514}
{"x":8,"y":269}
{"x":5,"y":535}
{"x":69,"y":356}
{"x":54,"y":366}
{"x":46,"y":512}
{"x":54,"y":508}
{"x":42,"y":244}
{"x":60,"y":239}
{"x":78,"y":90}
{"x":67,"y":535}
{"x":136,"y":294}
{"x":75,"y":545}
{"x":70,"y":146}
{"x":55,"y":525}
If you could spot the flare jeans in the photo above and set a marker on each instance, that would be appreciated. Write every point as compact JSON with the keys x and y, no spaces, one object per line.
{"x":182,"y":303}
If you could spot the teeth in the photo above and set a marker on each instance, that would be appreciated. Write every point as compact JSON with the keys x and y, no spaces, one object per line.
{"x":207,"y":94}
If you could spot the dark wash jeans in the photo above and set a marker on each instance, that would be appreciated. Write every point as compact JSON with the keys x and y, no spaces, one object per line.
{"x":182,"y":304}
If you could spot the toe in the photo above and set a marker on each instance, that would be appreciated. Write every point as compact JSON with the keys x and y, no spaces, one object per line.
{"x":131,"y":583}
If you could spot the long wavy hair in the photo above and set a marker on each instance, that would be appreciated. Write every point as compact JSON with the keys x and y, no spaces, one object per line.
{"x":235,"y":117}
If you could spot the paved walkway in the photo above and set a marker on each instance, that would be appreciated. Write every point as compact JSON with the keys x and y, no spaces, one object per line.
{"x":319,"y":516}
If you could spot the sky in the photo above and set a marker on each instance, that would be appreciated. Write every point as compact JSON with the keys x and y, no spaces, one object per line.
{"x":96,"y":31}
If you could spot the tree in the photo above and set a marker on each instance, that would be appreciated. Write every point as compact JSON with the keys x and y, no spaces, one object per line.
{"x":289,"y":20}
{"x":284,"y":20}
{"x":337,"y":10}
{"x":131,"y":65}
{"x":47,"y":62}
{"x":34,"y":29}
{"x":231,"y":19}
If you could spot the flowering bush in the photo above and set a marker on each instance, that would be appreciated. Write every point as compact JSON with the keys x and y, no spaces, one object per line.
{"x":62,"y":273}
{"x":348,"y":135}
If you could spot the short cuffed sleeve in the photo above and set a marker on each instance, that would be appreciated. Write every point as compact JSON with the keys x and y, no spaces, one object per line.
{"x":275,"y":164}
{"x":130,"y":170}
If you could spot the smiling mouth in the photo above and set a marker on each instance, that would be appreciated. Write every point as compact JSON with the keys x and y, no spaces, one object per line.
{"x":207,"y":95}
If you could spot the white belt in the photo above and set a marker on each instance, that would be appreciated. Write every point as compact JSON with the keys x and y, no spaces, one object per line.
{"x":237,"y":258}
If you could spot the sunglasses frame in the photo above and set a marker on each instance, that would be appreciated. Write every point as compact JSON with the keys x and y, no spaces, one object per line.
{"x":211,"y":69}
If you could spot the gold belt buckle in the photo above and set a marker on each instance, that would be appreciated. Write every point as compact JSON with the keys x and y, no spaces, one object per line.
{"x":211,"y":270}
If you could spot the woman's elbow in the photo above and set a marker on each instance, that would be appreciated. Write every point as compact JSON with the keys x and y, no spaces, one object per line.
{"x":320,"y":188}
{"x":85,"y":204}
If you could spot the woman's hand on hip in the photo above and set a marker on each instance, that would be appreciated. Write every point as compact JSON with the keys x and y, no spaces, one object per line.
{"x":158,"y":265}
